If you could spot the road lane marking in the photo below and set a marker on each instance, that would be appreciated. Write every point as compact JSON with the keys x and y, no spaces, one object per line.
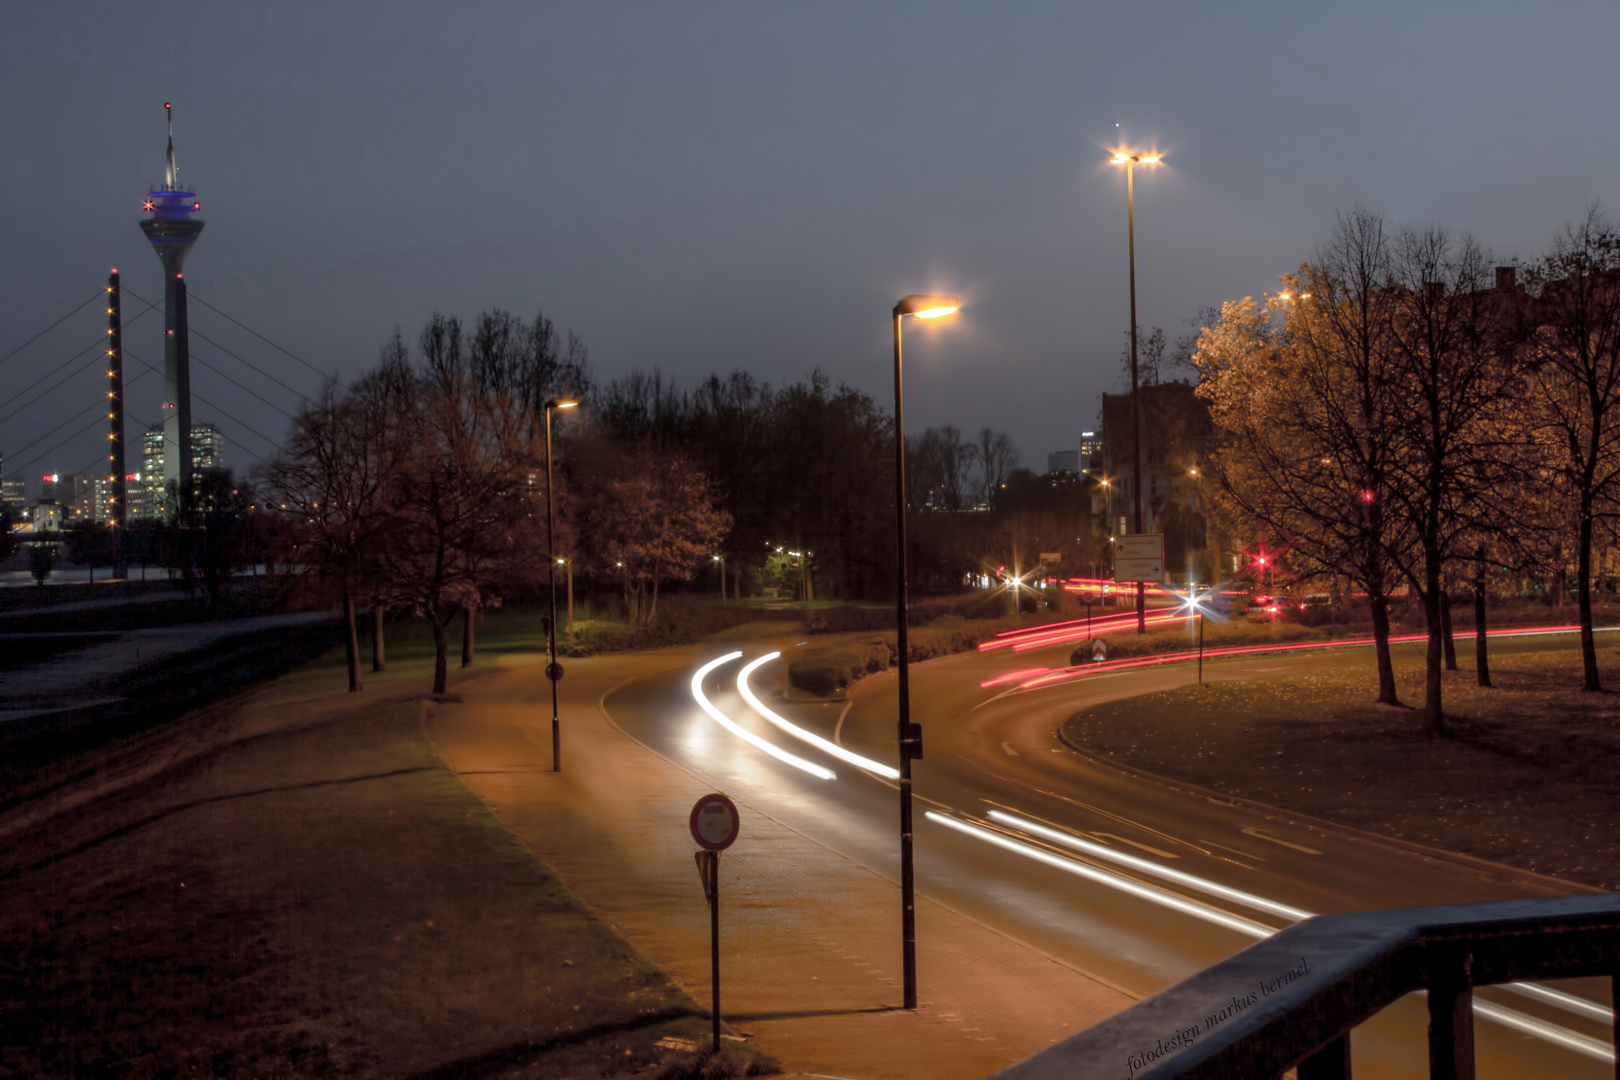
{"x":1262,"y":834}
{"x":1133,"y":843}
{"x":838,"y":728}
{"x":1008,"y":748}
{"x":1112,"y":817}
{"x":1235,"y":851}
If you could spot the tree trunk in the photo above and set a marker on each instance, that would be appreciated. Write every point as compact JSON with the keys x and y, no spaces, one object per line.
{"x":1434,"y":719}
{"x":1482,"y":659}
{"x":351,"y":641}
{"x":441,"y":652}
{"x":1447,"y":639}
{"x":1386,"y":665}
{"x":1583,"y":589}
{"x":379,"y":654}
{"x":466,"y":637}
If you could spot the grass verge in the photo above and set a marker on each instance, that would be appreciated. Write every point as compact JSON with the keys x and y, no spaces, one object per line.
{"x":1525,"y":778}
{"x":293,"y":884}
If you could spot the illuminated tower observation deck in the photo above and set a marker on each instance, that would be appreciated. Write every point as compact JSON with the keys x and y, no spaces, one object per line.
{"x":172,"y":230}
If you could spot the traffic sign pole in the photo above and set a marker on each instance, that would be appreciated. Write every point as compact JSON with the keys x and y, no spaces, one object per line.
{"x":714,"y":824}
{"x":714,"y":941}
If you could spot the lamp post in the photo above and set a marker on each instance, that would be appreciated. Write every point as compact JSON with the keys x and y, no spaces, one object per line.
{"x":721,"y":559}
{"x":553,"y":673}
{"x":910,"y":735}
{"x":1130,"y":161}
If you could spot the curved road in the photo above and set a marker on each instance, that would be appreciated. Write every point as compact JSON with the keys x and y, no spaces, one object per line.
{"x":994,"y":766}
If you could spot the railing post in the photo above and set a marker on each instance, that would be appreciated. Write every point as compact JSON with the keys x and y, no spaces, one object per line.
{"x":1332,"y":1062}
{"x":1451,"y":1022}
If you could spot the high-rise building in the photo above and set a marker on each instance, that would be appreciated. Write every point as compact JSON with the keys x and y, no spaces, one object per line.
{"x":93,"y":496}
{"x":1063,"y":461}
{"x":149,"y":491}
{"x":172,"y":230}
{"x":1091,"y":452}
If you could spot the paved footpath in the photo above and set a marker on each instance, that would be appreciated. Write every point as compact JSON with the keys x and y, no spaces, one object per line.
{"x":810,"y":966}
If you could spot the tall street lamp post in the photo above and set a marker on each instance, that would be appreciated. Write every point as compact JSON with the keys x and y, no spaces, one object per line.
{"x":553,"y":673}
{"x":721,"y":559}
{"x":1130,"y":161}
{"x":923,"y":307}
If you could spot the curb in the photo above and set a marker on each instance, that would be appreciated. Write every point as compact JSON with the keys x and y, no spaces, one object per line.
{"x":1472,"y":862}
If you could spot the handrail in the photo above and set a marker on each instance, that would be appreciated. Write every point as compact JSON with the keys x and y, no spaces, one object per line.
{"x":1292,"y":999}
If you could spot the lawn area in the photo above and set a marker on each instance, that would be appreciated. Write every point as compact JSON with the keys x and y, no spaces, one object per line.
{"x":681,"y":620}
{"x":1525,"y":778}
{"x":294,"y":884}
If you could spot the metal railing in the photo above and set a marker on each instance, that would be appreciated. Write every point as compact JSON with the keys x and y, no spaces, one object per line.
{"x":1291,"y":1000}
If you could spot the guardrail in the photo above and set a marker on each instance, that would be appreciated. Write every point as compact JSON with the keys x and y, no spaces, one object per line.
{"x":1292,"y":1000}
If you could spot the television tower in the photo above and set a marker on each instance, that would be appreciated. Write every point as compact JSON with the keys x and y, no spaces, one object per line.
{"x":172,"y":230}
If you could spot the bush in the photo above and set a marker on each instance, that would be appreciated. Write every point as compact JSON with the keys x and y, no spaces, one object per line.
{"x":830,"y":668}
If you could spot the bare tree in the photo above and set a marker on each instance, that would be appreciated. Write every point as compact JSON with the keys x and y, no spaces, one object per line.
{"x":1457,"y":393}
{"x":994,"y":453}
{"x":333,"y":481}
{"x":1575,"y":353}
{"x":462,"y":514}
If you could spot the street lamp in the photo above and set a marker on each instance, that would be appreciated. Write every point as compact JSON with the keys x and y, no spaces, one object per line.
{"x":923,"y":307}
{"x":553,"y":672}
{"x":1130,"y":161}
{"x":721,"y":559}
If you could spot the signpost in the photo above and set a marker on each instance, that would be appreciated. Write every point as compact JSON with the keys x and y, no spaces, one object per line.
{"x":1139,"y":557}
{"x":714,"y":824}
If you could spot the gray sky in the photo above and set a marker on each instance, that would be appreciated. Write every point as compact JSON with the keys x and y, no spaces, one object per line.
{"x":717,"y":186}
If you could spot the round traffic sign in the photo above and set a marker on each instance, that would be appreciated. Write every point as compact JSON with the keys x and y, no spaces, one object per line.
{"x":714,"y":822}
{"x":554,"y":671}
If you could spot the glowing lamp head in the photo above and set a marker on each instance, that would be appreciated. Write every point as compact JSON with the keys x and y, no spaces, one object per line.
{"x":562,"y":403}
{"x":1121,"y":158}
{"x":928,"y":307}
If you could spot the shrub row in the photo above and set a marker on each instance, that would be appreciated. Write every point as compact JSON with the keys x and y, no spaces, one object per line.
{"x":828,"y":669}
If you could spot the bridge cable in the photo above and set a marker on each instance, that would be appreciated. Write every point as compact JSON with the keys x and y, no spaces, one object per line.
{"x":101,"y":341}
{"x":197,"y":333}
{"x":93,"y":296}
{"x":260,"y":336}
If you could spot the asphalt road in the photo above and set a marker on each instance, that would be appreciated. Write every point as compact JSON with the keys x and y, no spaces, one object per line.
{"x":989,"y":751}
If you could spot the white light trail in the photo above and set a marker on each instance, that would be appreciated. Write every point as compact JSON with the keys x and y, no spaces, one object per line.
{"x":1570,"y":1040}
{"x":1101,"y":852}
{"x":742,"y":733}
{"x":1135,"y":888}
{"x":1563,"y":1000}
{"x":800,"y":733}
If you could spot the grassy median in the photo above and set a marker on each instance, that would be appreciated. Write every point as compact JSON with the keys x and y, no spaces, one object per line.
{"x":294,"y":884}
{"x":1525,"y":777}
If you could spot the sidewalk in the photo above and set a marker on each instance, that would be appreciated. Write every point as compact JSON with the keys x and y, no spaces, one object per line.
{"x":810,"y":940}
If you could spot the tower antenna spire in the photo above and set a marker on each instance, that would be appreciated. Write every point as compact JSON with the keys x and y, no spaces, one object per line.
{"x":171,"y":178}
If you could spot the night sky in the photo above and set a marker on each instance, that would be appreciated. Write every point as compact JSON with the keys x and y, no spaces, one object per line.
{"x":710,"y":187}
